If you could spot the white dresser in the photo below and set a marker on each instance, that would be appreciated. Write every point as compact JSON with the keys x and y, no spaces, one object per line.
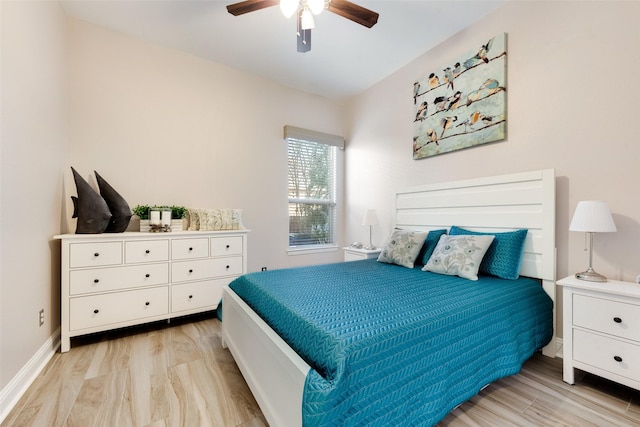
{"x":601,"y":329}
{"x":114,"y":280}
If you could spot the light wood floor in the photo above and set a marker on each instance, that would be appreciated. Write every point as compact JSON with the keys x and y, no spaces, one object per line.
{"x":179,"y":375}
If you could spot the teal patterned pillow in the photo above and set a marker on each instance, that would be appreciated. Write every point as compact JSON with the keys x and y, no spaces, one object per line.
{"x":429,"y":245}
{"x":504,"y":256}
{"x":458,"y":255}
{"x":402,"y":247}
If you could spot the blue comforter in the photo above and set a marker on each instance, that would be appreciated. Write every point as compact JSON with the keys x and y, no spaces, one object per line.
{"x":390,"y":345}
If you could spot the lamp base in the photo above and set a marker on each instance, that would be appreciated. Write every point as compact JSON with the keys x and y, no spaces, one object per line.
{"x":591,"y":276}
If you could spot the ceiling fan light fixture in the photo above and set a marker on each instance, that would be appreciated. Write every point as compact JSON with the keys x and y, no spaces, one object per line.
{"x":316,"y":6}
{"x":289,"y":7}
{"x":307,"y":19}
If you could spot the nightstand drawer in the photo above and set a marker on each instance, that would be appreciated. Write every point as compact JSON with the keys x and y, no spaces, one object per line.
{"x":110,"y":279}
{"x":100,"y":310}
{"x":190,"y":248}
{"x":609,"y":354}
{"x":146,"y":251}
{"x":95,"y":254}
{"x":607,"y":316}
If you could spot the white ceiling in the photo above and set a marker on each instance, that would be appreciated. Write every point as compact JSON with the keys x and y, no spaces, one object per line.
{"x":345,"y":59}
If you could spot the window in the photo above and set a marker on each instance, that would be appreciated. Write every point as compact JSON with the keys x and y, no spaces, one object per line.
{"x":312,"y":188}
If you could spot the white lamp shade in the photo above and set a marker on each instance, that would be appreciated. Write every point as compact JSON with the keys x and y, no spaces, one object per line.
{"x":289,"y":7}
{"x":306,"y":21}
{"x":370,"y":217}
{"x":592,"y":216}
{"x":316,"y":6}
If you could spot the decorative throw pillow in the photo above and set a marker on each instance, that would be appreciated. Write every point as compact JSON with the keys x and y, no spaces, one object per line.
{"x":429,"y":245}
{"x":402,"y":247}
{"x":194,"y":220}
{"x":220,"y":219}
{"x":458,"y":255}
{"x":504,"y":256}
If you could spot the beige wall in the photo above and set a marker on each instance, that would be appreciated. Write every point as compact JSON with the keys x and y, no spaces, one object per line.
{"x":166,"y":127}
{"x":32,"y":154}
{"x":572,"y":106}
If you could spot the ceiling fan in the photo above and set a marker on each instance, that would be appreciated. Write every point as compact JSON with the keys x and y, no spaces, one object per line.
{"x":305,"y":9}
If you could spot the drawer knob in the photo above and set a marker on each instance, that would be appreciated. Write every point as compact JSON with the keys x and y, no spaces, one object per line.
{"x":617,"y":358}
{"x":617,"y":320}
{"x":147,"y":275}
{"x":227,"y":267}
{"x":96,"y":311}
{"x":96,"y":280}
{"x":190,"y":270}
{"x":228,"y":246}
{"x":147,"y":303}
{"x":96,"y":254}
{"x":147,"y":251}
{"x":190,"y":249}
{"x":190,"y":296}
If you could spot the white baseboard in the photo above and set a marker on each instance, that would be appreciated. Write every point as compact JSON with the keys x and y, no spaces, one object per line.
{"x":19,"y":384}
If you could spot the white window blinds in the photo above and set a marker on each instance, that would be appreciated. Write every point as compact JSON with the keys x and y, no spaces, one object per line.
{"x":311,"y":187}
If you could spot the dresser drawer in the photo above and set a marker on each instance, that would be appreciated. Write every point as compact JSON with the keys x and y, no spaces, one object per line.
{"x":601,"y":352}
{"x":190,"y":248}
{"x":183,"y":271}
{"x":146,"y":251}
{"x":197,"y":295}
{"x":96,"y":254}
{"x":99,"y":310}
{"x":113,"y":278}
{"x":222,"y":246}
{"x":610,"y":317}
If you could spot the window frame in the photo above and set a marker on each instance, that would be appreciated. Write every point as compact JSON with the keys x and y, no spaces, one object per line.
{"x":293,"y":135}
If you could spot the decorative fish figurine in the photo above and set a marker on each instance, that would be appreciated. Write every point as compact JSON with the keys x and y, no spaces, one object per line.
{"x":89,"y":207}
{"x":120,"y":211}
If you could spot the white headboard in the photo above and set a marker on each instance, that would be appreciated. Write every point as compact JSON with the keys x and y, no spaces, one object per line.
{"x":496,"y":203}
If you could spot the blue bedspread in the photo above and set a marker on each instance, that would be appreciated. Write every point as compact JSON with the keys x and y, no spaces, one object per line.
{"x":395,"y":346}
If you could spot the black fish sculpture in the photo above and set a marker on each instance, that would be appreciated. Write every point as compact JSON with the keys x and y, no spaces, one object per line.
{"x":120,"y":211}
{"x":89,"y":207}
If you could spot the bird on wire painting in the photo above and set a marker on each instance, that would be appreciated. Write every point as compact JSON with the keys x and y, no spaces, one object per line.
{"x":462,"y":104}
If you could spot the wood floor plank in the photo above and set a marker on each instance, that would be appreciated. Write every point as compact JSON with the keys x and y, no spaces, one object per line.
{"x":182,"y":345}
{"x":100,"y":402}
{"x":50,"y":398}
{"x":178,"y":375}
{"x":148,"y":366}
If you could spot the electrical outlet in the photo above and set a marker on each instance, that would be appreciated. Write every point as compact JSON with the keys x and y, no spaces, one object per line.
{"x":41,"y":316}
{"x":264,"y":268}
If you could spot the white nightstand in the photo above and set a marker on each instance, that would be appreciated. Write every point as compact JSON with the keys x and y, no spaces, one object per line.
{"x":354,"y":254}
{"x":601,"y":330}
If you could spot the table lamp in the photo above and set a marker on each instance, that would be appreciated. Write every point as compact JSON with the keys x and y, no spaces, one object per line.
{"x":592,"y":217}
{"x":370,"y":219}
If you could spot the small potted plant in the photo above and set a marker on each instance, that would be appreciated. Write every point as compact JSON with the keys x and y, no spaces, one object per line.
{"x":178,"y":214}
{"x":142,"y":212}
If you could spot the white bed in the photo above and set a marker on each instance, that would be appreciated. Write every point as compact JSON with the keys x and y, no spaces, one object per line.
{"x":276,"y":374}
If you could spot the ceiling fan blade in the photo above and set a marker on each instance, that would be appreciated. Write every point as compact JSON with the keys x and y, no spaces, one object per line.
{"x":247,"y":6}
{"x":355,"y":13}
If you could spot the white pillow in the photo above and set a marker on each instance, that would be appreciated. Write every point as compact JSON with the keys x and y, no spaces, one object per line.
{"x":402,"y":247}
{"x":459,"y":255}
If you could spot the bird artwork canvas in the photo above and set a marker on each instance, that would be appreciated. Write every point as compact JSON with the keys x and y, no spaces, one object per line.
{"x":463,"y":103}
